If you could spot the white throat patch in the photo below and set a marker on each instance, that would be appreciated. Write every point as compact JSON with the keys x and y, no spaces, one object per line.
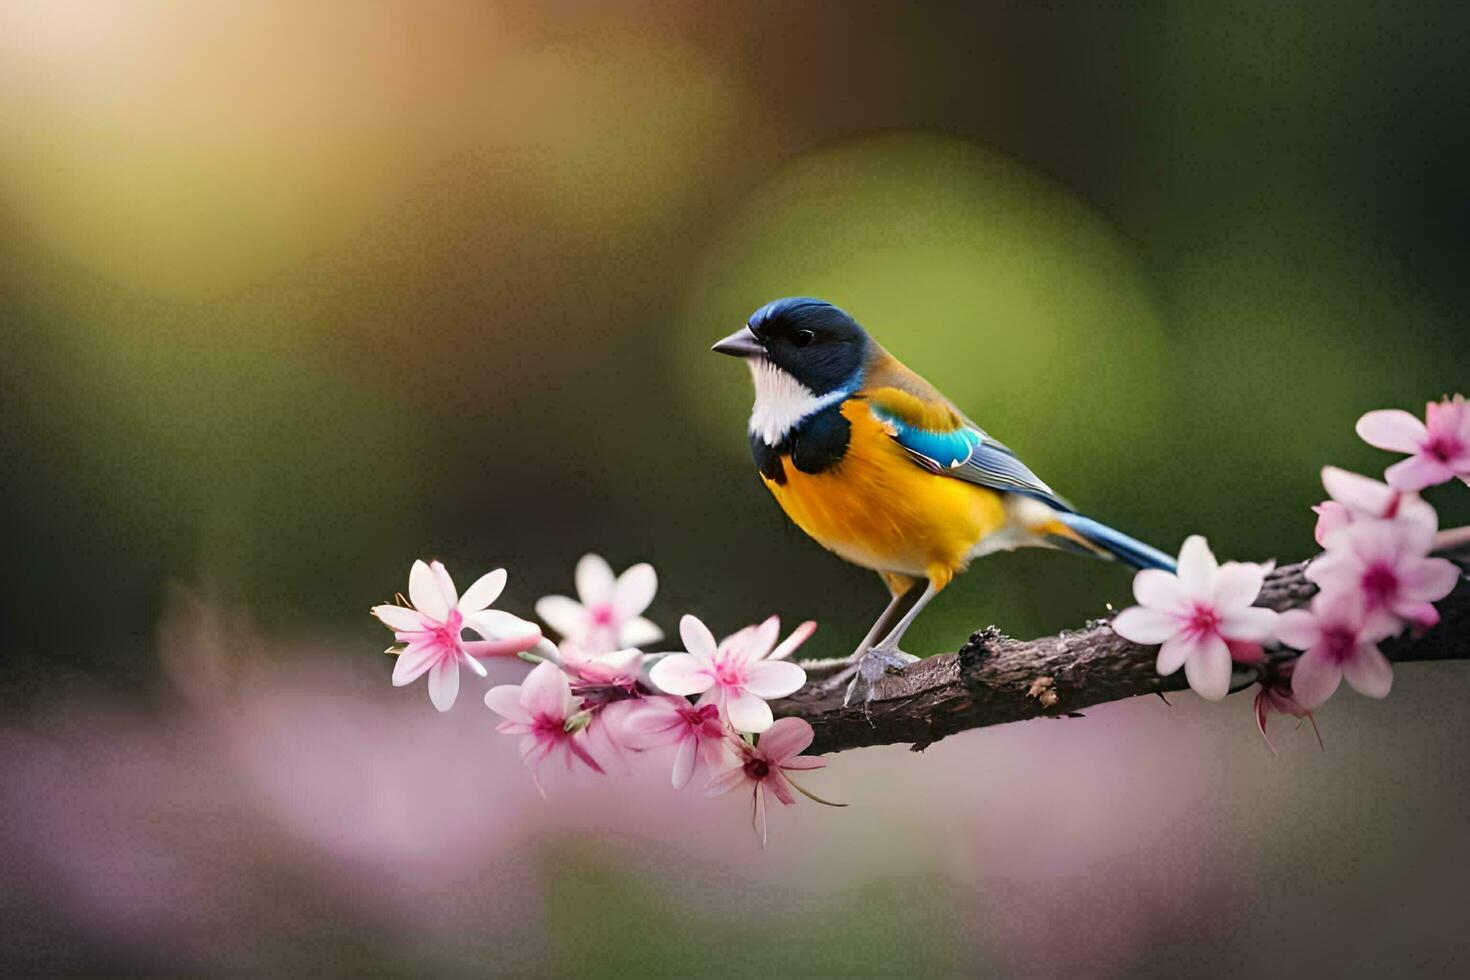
{"x":781,"y":402}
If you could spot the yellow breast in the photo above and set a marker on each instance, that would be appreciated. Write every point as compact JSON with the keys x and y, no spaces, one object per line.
{"x":877,"y":508}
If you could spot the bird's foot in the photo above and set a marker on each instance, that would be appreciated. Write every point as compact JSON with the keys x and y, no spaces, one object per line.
{"x":869,"y":667}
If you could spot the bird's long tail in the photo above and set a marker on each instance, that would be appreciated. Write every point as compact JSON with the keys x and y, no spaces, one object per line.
{"x":1105,"y":542}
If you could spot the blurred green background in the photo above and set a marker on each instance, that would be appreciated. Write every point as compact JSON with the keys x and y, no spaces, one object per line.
{"x":294,"y":293}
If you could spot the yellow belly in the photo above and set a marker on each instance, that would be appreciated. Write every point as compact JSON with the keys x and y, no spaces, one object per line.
{"x":878,"y":509}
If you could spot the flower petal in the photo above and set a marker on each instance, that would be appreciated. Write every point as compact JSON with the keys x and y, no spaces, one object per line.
{"x":681,"y":673}
{"x":639,"y":632}
{"x":509,"y":647}
{"x":423,"y":592}
{"x":1361,"y":494}
{"x":748,"y":713}
{"x":1368,"y":671}
{"x":1197,"y":566}
{"x":698,"y":640}
{"x":1298,"y":629}
{"x":444,"y":683}
{"x":785,"y":740}
{"x":445,"y":584}
{"x":487,"y":589}
{"x":726,"y":779}
{"x":401,"y":618}
{"x":1253,"y":624}
{"x":567,"y":616}
{"x":805,"y":762}
{"x":1208,"y":668}
{"x":545,"y":691}
{"x":413,"y":662}
{"x":1331,"y":518}
{"x":497,"y":624}
{"x":505,"y":700}
{"x":472,"y":663}
{"x":760,"y":641}
{"x":1237,"y":584}
{"x":1418,"y":472}
{"x":634,"y":590}
{"x":1146,"y":626}
{"x":1157,"y":589}
{"x":1393,"y":429}
{"x":798,"y":636}
{"x":594,"y":580}
{"x":1313,"y":679}
{"x":774,"y":679}
{"x":684,"y":758}
{"x":1428,"y":579}
{"x":1172,"y":655}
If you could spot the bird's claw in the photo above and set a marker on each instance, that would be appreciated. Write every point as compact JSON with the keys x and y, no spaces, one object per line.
{"x":870,"y":667}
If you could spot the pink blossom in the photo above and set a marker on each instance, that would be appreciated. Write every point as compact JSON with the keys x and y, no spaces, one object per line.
{"x":433,"y":629}
{"x":1439,"y":447}
{"x":547,"y":716}
{"x":1386,"y":563}
{"x":1274,"y":696}
{"x":765,"y":765}
{"x":1197,"y":614}
{"x":1357,"y":497}
{"x":609,"y":615}
{"x":695,"y":730}
{"x":739,"y":675}
{"x":620,"y":668}
{"x":1340,"y":640}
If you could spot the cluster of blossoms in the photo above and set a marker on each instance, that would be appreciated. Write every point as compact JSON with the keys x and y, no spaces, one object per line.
{"x":595,"y":697}
{"x":1375,"y":578}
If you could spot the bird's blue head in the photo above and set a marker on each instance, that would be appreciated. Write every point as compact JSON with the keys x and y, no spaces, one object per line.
{"x":813,"y":342}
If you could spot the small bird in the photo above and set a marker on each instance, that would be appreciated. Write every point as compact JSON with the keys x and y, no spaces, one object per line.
{"x":879,"y":467}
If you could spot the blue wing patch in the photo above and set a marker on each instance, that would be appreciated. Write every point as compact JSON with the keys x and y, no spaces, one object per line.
{"x":970,"y":454}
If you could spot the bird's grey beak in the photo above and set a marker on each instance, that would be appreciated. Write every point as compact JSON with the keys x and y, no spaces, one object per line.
{"x":741,"y":343}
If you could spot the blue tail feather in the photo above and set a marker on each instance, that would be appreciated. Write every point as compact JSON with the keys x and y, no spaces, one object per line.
{"x":1118,"y":544}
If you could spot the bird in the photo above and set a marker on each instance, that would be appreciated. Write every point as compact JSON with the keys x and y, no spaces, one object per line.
{"x":879,"y":467}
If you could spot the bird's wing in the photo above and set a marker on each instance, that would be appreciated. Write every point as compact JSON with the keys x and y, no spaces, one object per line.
{"x":937,"y":437}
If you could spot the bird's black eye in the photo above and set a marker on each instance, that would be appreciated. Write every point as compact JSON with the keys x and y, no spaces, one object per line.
{"x":803,"y":337}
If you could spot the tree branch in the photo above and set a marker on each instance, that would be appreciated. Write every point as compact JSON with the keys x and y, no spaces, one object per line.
{"x":994,"y":679}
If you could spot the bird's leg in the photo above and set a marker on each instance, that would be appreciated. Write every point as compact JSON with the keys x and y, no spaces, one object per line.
{"x":873,"y":663}
{"x":841,"y":678}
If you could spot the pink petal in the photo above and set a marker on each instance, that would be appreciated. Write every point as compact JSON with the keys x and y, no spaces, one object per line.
{"x":487,"y":589}
{"x":567,"y":616}
{"x":505,"y":700}
{"x":1331,"y":518}
{"x":1360,"y":494}
{"x":1237,"y":584}
{"x":1197,"y":566}
{"x":1157,"y":589}
{"x":445,"y":584}
{"x":634,"y":590}
{"x":639,"y":632}
{"x":763,"y":639}
{"x":781,"y":786}
{"x":1428,"y":579}
{"x":726,"y":780}
{"x":1418,"y":472}
{"x":698,"y":640}
{"x":594,"y":580}
{"x":1172,"y":655}
{"x":1146,"y":626}
{"x":481,"y":649}
{"x":1253,"y":624}
{"x":681,"y":673}
{"x":413,"y":662}
{"x":1313,"y":679}
{"x":444,"y":684}
{"x":1368,"y":672}
{"x":748,"y":713}
{"x":402,"y":619}
{"x":1392,"y":428}
{"x":785,"y":740}
{"x":1298,"y":629}
{"x":774,"y":679}
{"x":545,"y":691}
{"x":1420,"y":615}
{"x":798,"y":636}
{"x":804,"y":762}
{"x":684,"y":758}
{"x":1208,"y":668}
{"x":656,"y":721}
{"x":423,"y":592}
